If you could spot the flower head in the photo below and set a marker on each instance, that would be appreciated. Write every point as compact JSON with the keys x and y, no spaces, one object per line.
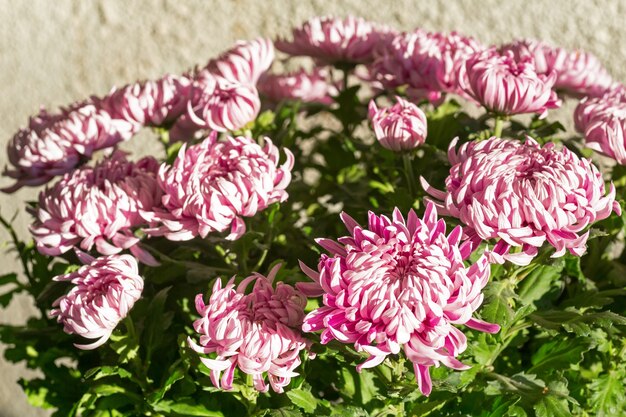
{"x":506,"y":86}
{"x":427,"y":62}
{"x":606,"y":130}
{"x":55,"y":143}
{"x":309,"y":87}
{"x":104,"y":291}
{"x":217,"y":104}
{"x":524,"y":195}
{"x":245,"y":62}
{"x":212,"y":185}
{"x":579,"y":73}
{"x":97,"y":206}
{"x":401,"y":127}
{"x":334,"y":40}
{"x":149,"y":103}
{"x":590,"y":107}
{"x":259,"y":332}
{"x":398,"y":284}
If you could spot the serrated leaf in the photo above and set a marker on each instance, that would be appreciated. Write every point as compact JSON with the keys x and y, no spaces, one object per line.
{"x":303,"y":399}
{"x":576,"y":321}
{"x":498,"y":305}
{"x":551,"y":406}
{"x":608,"y":397}
{"x":538,"y":282}
{"x":558,"y":354}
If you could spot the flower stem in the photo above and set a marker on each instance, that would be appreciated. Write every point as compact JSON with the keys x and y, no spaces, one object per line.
{"x":408,"y":170}
{"x":497,"y":130}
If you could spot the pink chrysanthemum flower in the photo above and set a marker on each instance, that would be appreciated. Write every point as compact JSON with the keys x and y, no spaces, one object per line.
{"x":97,"y":206}
{"x":54,"y":144}
{"x":401,"y":127}
{"x":399,"y":284}
{"x":104,"y":292}
{"x":578,"y":73}
{"x":606,"y":131}
{"x":245,"y":62}
{"x":524,"y":195}
{"x":427,"y":62}
{"x":217,"y":104}
{"x":149,"y":103}
{"x":506,"y":86}
{"x":590,"y":107}
{"x":212,"y":185}
{"x":259,"y":332}
{"x":309,"y":87}
{"x":334,"y":40}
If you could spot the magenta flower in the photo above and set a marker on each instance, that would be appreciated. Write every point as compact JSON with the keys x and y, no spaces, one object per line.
{"x":149,"y":103}
{"x":245,"y":62}
{"x":401,"y":127}
{"x":54,"y":144}
{"x":309,"y":87}
{"x":104,"y":291}
{"x":427,"y":62}
{"x":398,"y":284}
{"x":578,"y":73}
{"x":97,"y":206}
{"x":259,"y":332}
{"x":334,"y":40}
{"x":212,"y":185}
{"x":217,"y":104}
{"x":506,"y":86}
{"x":524,"y":195}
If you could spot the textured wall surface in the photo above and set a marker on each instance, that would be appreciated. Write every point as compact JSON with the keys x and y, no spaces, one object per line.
{"x":56,"y":52}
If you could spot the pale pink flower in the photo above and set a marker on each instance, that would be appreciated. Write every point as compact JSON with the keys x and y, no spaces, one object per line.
{"x":217,"y":104}
{"x":335,"y":40}
{"x":427,"y":62}
{"x":149,"y":103}
{"x":97,"y":206}
{"x":245,"y":62}
{"x":56,"y":143}
{"x":524,"y":195}
{"x":259,"y":332}
{"x":589,"y":107}
{"x":606,"y":131}
{"x":212,"y":185}
{"x":398,"y":284}
{"x":104,"y":291}
{"x":506,"y":86}
{"x":401,"y":127}
{"x":579,"y":73}
{"x":309,"y":87}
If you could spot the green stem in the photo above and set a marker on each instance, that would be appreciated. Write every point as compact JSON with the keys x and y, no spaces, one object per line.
{"x":408,"y":170}
{"x":497,"y":130}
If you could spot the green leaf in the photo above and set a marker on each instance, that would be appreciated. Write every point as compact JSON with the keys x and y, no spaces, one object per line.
{"x":285,"y":412}
{"x":576,"y":321}
{"x":559,"y":354}
{"x":608,"y":397}
{"x":551,"y":406}
{"x":303,"y":399}
{"x":156,"y":321}
{"x":539,"y":282}
{"x":499,"y":303}
{"x":174,"y":375}
{"x":185,"y":407}
{"x":10,"y":278}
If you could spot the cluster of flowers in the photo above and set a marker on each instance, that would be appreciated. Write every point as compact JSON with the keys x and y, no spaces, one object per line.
{"x":397,"y":284}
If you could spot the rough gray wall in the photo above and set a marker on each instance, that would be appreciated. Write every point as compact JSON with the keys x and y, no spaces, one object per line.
{"x":56,"y":52}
